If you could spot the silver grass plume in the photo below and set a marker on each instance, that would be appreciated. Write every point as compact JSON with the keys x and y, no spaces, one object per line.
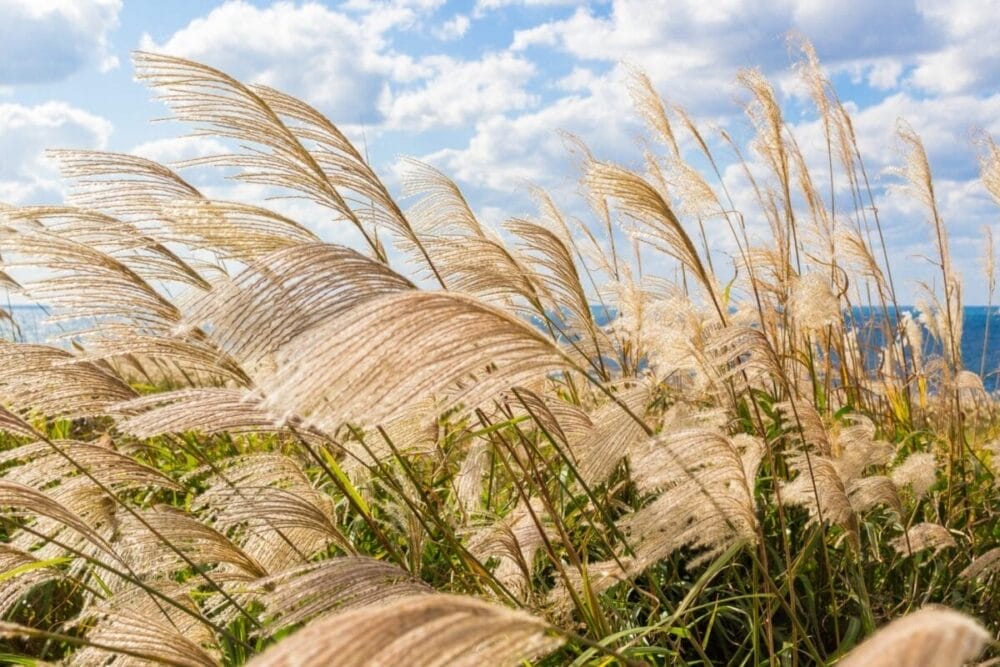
{"x":923,"y":536}
{"x":26,"y":501}
{"x":116,"y":312}
{"x":22,"y":572}
{"x":916,"y":173}
{"x":297,"y":148}
{"x":422,"y":631}
{"x":201,"y":543}
{"x":706,"y":500}
{"x":468,"y":480}
{"x":232,"y":230}
{"x":135,"y":247}
{"x":649,"y":105}
{"x":205,"y":410}
{"x":376,"y":360}
{"x":277,"y":517}
{"x":613,"y":436}
{"x":12,"y":424}
{"x":655,"y":220}
{"x":513,"y":540}
{"x":566,"y":422}
{"x":548,"y":250}
{"x":983,"y":566}
{"x":301,"y":593}
{"x":812,"y":303}
{"x":285,"y":294}
{"x":132,"y":623}
{"x":989,"y":165}
{"x":440,"y":208}
{"x":918,"y":471}
{"x":820,"y":489}
{"x":40,"y":465}
{"x":931,"y":636}
{"x":807,"y":425}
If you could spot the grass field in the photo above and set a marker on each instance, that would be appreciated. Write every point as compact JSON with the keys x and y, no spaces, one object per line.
{"x":439,"y":448}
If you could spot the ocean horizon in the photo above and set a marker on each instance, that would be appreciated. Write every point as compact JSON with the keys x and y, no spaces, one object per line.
{"x":32,"y":326}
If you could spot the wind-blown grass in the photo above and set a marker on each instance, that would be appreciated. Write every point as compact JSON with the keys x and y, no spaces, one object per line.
{"x":257,"y":447}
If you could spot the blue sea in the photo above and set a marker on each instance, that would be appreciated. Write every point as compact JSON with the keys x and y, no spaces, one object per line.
{"x":31,"y":326}
{"x":975,"y":355}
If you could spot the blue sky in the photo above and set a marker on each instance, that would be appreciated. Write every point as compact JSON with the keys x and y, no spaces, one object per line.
{"x":481,"y":88}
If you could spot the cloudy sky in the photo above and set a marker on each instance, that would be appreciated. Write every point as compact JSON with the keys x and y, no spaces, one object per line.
{"x":482,"y":88}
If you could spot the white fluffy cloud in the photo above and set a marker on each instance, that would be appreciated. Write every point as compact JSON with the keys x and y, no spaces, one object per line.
{"x":453,"y":28}
{"x":695,"y":46}
{"x":675,"y":41}
{"x":47,"y":40}
{"x":966,"y":58}
{"x":26,"y":176}
{"x":336,"y":60}
{"x":946,"y":126}
{"x":344,"y":62}
{"x":461,"y":91}
{"x":508,"y":152}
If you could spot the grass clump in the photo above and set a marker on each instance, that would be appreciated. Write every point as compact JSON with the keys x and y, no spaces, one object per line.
{"x":261,"y":448}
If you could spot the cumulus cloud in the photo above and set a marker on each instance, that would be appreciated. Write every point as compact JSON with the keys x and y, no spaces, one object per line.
{"x":946,"y":125}
{"x":47,"y":40}
{"x":692,"y":50}
{"x":696,"y":46}
{"x":337,"y":60}
{"x":461,"y":91}
{"x":26,"y":176}
{"x":344,"y":62}
{"x":453,"y":28}
{"x":412,"y":7}
{"x":506,"y":152}
{"x":966,"y":58}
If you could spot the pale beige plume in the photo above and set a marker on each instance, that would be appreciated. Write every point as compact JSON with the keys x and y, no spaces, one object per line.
{"x":931,"y":636}
{"x":422,"y":631}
